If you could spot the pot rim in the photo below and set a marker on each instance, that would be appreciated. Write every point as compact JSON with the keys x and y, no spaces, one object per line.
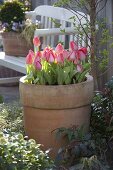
{"x":89,"y":79}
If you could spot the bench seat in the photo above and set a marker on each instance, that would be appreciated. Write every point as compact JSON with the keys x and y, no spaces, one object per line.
{"x":12,"y":62}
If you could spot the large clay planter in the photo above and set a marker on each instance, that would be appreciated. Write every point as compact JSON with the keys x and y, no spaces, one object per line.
{"x":15,"y":45}
{"x":47,"y":108}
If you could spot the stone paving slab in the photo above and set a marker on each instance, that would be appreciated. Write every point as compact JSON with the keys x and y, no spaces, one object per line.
{"x":10,"y":93}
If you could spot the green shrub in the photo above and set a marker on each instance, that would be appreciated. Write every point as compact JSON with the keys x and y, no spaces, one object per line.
{"x":102,"y":122}
{"x":80,"y":153}
{"x":19,"y":154}
{"x":102,"y":112}
{"x":11,"y":117}
{"x":12,"y":15}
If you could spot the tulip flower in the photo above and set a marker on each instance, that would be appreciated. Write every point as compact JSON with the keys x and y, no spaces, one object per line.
{"x":72,"y":56}
{"x":73,"y":46}
{"x":49,"y":55}
{"x":65,"y":54}
{"x":59,"y":48}
{"x":82,"y":53}
{"x":60,"y":58}
{"x":30,"y":56}
{"x":51,"y":58}
{"x":56,"y":64}
{"x":37,"y":63}
{"x":38,"y":54}
{"x":36,"y":41}
{"x":84,"y":50}
{"x":45,"y":54}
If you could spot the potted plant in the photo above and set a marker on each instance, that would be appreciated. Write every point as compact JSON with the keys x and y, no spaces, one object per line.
{"x":12,"y":17}
{"x":56,"y":92}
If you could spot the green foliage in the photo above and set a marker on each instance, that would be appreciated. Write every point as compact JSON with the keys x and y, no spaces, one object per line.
{"x":71,"y":133}
{"x":102,"y":112}
{"x":91,"y":163}
{"x":17,"y":153}
{"x":80,"y":153}
{"x":57,"y":74}
{"x":56,"y":67}
{"x":11,"y":117}
{"x":27,"y":4}
{"x":102,"y":122}
{"x":12,"y":12}
{"x":28,"y":32}
{"x":102,"y":49}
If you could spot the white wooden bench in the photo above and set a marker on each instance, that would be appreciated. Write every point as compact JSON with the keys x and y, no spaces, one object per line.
{"x":47,"y":31}
{"x":12,"y":62}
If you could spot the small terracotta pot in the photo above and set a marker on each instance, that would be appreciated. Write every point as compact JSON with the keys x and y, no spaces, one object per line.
{"x":15,"y":45}
{"x":47,"y":108}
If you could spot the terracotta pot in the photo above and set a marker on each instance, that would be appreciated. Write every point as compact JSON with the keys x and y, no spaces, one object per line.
{"x":15,"y":45}
{"x":47,"y":108}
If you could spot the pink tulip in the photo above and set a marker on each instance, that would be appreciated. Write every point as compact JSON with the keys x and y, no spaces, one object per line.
{"x":82,"y":53}
{"x":45,"y":54}
{"x":48,"y":55}
{"x":73,"y":46}
{"x":36,"y":41}
{"x":84,"y":50}
{"x":51,"y":58}
{"x":79,"y":68}
{"x":59,"y":48}
{"x":30,"y":56}
{"x":39,"y":54}
{"x":37,"y":63}
{"x":65,"y":54}
{"x":72,"y":56}
{"x":60,"y":58}
{"x":82,"y":56}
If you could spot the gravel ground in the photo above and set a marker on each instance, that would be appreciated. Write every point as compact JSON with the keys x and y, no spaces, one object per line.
{"x":10,"y":93}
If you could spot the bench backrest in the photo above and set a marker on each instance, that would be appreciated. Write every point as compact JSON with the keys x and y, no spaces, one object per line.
{"x":63,"y":19}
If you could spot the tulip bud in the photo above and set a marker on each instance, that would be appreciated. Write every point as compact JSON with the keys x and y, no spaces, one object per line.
{"x":36,"y":41}
{"x":73,"y":46}
{"x":29,"y":57}
{"x":37,"y":63}
{"x":59,"y":48}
